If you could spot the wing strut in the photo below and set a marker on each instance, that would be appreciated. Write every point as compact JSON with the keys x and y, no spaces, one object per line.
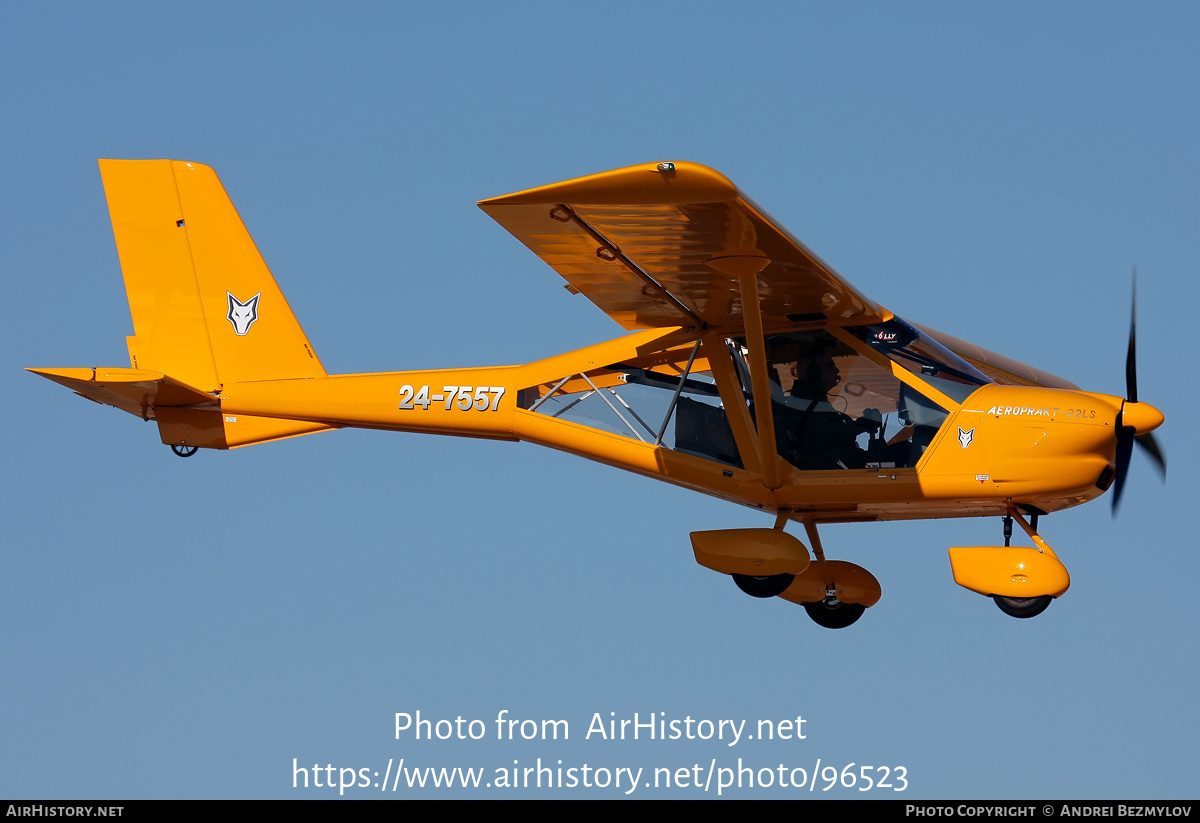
{"x":760,"y":383}
{"x":683,"y":378}
{"x":564,"y":213}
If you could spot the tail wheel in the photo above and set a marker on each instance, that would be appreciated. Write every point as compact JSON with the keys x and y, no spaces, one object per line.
{"x":763,"y":586}
{"x":832,"y":614}
{"x":1022,"y":606}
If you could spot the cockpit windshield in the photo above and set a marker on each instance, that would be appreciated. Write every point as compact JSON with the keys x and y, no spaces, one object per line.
{"x":904,"y":344}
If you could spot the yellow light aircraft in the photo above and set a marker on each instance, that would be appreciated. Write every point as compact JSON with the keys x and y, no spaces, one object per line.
{"x":871,"y":417}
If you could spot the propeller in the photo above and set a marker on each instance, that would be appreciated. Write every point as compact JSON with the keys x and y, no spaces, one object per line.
{"x":1140,"y":416}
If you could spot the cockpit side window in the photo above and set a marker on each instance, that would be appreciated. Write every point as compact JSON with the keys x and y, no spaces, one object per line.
{"x":667,"y":398}
{"x":833,"y":408}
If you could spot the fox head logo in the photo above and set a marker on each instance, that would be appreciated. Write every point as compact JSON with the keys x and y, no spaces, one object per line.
{"x":965,"y":437}
{"x":242,"y":315}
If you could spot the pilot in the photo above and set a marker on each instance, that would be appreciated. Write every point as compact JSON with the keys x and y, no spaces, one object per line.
{"x":810,"y":432}
{"x":814,"y":374}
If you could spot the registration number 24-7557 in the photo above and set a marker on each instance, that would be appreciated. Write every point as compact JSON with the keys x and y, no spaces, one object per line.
{"x":465,"y":397}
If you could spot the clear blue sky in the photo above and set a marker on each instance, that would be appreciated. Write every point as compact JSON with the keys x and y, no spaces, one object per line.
{"x":186,"y":629}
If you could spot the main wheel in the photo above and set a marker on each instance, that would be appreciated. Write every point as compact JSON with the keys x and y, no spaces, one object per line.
{"x":763,"y":586}
{"x":834,"y":616}
{"x":1022,"y":606}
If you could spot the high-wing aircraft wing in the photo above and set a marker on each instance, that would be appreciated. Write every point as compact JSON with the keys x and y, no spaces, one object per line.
{"x":664,"y":245}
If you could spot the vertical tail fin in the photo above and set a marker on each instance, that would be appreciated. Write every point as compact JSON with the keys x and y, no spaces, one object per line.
{"x":206,"y":310}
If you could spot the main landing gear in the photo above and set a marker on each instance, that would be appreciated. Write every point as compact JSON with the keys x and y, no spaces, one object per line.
{"x":771,"y":563}
{"x":764,"y":587}
{"x":836,"y":593}
{"x":833,"y":614}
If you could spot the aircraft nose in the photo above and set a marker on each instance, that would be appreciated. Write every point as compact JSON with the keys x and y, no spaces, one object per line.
{"x":1142,"y":417}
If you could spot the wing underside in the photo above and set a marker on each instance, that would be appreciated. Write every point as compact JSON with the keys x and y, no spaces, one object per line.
{"x":665,"y":245}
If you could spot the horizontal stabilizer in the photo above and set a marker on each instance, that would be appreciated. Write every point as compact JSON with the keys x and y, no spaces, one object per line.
{"x":136,"y":391}
{"x":186,"y":416}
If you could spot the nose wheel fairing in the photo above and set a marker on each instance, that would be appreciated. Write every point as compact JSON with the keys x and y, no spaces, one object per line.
{"x":1021,"y":580}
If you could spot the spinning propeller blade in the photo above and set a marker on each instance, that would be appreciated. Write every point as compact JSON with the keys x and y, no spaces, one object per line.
{"x":1128,"y":435}
{"x":1147,"y":442}
{"x":1131,"y":354}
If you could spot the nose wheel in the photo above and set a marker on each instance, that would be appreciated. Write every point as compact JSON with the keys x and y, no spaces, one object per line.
{"x":1022,"y":606}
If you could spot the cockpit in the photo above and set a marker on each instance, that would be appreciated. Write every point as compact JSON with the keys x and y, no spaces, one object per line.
{"x":837,"y":397}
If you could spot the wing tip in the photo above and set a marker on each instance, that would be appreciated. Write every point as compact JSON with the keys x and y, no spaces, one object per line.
{"x":669,"y":182}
